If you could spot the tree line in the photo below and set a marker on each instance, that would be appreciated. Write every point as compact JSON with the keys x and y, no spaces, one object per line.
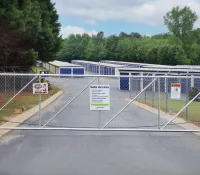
{"x":29,"y":30}
{"x":181,"y":45}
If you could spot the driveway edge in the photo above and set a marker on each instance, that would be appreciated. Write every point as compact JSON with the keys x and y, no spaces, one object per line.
{"x":166,"y":116}
{"x":16,"y":121}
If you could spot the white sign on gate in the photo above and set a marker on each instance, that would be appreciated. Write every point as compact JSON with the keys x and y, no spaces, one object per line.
{"x":99,"y":97}
{"x":40,"y":88}
{"x":175,"y":91}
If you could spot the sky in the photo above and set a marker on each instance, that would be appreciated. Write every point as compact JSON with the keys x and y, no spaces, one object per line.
{"x":114,"y":16}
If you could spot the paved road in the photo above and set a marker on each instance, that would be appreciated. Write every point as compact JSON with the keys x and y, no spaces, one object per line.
{"x":85,"y":153}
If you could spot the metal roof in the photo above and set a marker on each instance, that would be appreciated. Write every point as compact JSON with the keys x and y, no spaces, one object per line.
{"x":62,"y":64}
{"x":162,"y":66}
{"x":129,"y":63}
{"x":159,"y":70}
{"x":188,"y":66}
{"x":174,"y":67}
{"x":153,"y":65}
{"x":97,"y":63}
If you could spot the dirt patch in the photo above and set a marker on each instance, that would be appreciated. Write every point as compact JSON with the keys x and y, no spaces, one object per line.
{"x":23,"y":102}
{"x":17,"y":111}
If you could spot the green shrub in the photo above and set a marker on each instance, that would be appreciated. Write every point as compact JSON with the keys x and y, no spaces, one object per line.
{"x":193,"y":92}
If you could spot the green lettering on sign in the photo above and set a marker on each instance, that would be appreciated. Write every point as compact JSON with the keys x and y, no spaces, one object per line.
{"x":100,"y":104}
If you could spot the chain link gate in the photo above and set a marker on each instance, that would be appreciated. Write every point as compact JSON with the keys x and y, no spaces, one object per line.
{"x":71,"y":111}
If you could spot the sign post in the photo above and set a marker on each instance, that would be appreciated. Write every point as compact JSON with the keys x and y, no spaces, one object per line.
{"x":40,"y":88}
{"x":99,"y":97}
{"x":40,"y":99}
{"x":44,"y":73}
{"x":175,"y":91}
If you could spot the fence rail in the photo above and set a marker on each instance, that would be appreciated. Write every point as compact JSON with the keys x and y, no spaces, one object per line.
{"x":109,"y":76}
{"x":153,"y":91}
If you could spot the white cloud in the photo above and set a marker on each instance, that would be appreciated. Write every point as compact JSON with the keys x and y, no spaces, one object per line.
{"x":149,"y":35}
{"x":66,"y":31}
{"x":148,"y":12}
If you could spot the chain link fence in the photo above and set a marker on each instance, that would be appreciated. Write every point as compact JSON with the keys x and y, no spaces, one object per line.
{"x":160,"y":93}
{"x":16,"y":94}
{"x":11,"y":85}
{"x":74,"y":109}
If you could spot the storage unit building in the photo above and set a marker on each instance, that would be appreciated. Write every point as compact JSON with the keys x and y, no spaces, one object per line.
{"x":46,"y":66}
{"x":128,"y":64}
{"x":60,"y":67}
{"x":126,"y":83}
{"x":105,"y":68}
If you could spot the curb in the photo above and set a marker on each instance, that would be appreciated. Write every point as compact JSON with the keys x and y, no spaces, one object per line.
{"x":166,"y":116}
{"x":27,"y":114}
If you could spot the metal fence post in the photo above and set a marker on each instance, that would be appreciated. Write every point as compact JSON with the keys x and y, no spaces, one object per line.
{"x":166,"y":107}
{"x":130,"y":86}
{"x":153,"y":88}
{"x":21,"y":80}
{"x":39,"y":110}
{"x":137,"y":84}
{"x":158,"y":103}
{"x":186,"y":93}
{"x":98,"y":84}
{"x":14,"y":84}
{"x":5,"y":87}
{"x":145,"y":97}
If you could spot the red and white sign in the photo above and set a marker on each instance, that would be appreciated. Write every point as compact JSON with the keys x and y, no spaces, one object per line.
{"x":175,"y":91}
{"x":40,"y":88}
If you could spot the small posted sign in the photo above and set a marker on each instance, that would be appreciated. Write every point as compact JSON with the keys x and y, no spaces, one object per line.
{"x":175,"y":91}
{"x":99,"y":97}
{"x":40,"y":88}
{"x":44,"y":72}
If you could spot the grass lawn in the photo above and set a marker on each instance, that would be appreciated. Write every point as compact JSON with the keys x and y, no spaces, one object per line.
{"x":23,"y":102}
{"x":37,"y":69}
{"x":175,"y":106}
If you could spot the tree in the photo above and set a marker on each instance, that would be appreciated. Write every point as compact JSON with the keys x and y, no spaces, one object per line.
{"x":173,"y":40}
{"x":161,"y":36}
{"x":180,"y":22}
{"x":171,"y":55}
{"x":123,"y":34}
{"x":111,"y":47}
{"x":100,"y":35}
{"x":123,"y":48}
{"x":153,"y":55}
{"x":16,"y":20}
{"x":135,"y":35}
{"x":96,"y":47}
{"x":90,"y":51}
{"x":74,"y":47}
{"x":49,"y":40}
{"x":29,"y":28}
{"x":194,"y":54}
{"x":196,"y":34}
